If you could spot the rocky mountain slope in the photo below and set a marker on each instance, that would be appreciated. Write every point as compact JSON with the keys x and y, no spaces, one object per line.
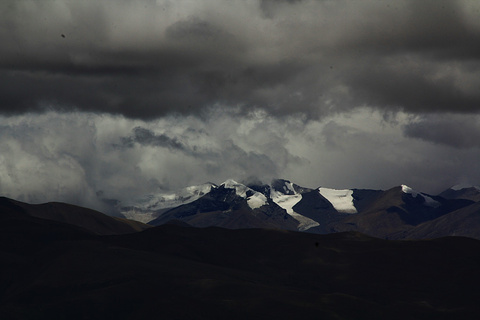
{"x":398,"y":213}
{"x":231,"y":205}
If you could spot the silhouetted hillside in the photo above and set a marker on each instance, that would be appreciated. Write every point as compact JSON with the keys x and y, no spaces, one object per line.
{"x":52,"y":270}
{"x":87,"y":219}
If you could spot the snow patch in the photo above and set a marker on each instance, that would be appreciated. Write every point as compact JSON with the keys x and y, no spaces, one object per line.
{"x":288,"y":188}
{"x":287,"y":202}
{"x":255,"y":201}
{"x":428,"y":200}
{"x":138,"y":215}
{"x":406,"y":189}
{"x":240,"y":189}
{"x":342,"y":200}
{"x":304,"y":223}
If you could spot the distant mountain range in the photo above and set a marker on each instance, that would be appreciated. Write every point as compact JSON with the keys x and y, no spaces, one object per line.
{"x":59,"y":261}
{"x":398,"y":213}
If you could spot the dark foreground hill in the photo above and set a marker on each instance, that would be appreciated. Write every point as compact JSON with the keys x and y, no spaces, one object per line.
{"x":86,"y":219}
{"x":53,"y":270}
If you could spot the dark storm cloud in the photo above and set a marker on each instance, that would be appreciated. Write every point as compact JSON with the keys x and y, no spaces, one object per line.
{"x":415,"y":89}
{"x":145,"y":59}
{"x":227,"y":152}
{"x":457,"y":132}
{"x":147,"y":137}
{"x":269,"y":7}
{"x":256,"y":163}
{"x":193,"y":29}
{"x":433,"y":27}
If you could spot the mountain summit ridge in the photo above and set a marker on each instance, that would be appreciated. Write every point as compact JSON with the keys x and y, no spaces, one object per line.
{"x":400,"y":212}
{"x":282,"y":204}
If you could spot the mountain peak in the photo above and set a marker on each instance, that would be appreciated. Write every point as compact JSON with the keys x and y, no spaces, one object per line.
{"x":254,"y":199}
{"x":230,"y":182}
{"x":283,"y":186}
{"x":406,"y":189}
{"x":240,"y":189}
{"x":462,"y":186}
{"x":429,"y":201}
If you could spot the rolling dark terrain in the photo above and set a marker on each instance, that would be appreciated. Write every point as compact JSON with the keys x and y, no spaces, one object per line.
{"x":87,"y":219}
{"x":57,"y":270}
{"x":396,"y":215}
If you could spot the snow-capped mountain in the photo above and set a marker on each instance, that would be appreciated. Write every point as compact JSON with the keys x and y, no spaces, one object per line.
{"x":428,"y":201}
{"x":231,"y":205}
{"x":394,"y":212}
{"x":254,"y":198}
{"x":282,"y":204}
{"x":462,"y":191}
{"x":312,"y":210}
{"x":341,"y":200}
{"x":286,"y":195}
{"x":463,"y":186}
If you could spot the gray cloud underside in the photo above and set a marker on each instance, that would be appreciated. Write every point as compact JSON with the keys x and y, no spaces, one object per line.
{"x":451,"y":130}
{"x":227,"y":153}
{"x":87,"y":158}
{"x":146,"y":59}
{"x":147,"y":137}
{"x":175,"y":93}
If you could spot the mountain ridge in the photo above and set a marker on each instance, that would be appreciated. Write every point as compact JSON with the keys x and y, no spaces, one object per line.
{"x":397,"y":213}
{"x":89,"y":220}
{"x":391,"y":213}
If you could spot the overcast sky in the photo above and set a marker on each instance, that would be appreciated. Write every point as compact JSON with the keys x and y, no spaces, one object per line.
{"x":116,"y":99}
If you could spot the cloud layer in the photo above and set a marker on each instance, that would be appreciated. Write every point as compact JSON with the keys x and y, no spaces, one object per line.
{"x":104,"y":100}
{"x":146,"y":59}
{"x":91,"y":159}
